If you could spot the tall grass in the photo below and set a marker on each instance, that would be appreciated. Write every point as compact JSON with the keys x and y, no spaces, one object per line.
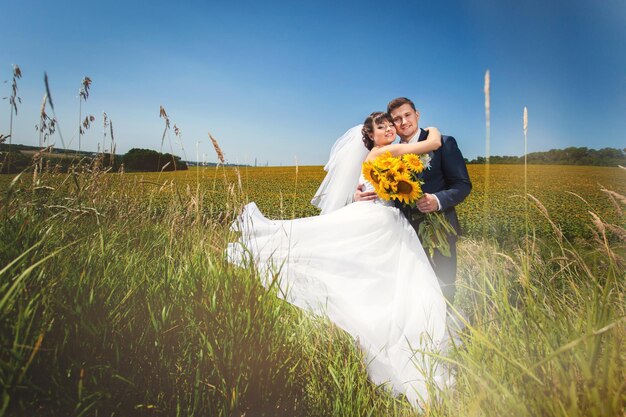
{"x":115,"y":304}
{"x":119,"y":302}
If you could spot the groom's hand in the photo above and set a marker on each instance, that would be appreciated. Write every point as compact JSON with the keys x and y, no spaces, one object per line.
{"x":428,"y":203}
{"x":360,"y":195}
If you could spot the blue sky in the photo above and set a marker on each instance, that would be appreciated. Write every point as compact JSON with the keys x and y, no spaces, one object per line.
{"x":280,"y":81}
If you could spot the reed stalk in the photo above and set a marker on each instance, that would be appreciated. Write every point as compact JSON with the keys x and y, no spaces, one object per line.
{"x":486,"y":201}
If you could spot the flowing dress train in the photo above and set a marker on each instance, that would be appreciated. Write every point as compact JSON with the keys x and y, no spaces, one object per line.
{"x":363,"y":267}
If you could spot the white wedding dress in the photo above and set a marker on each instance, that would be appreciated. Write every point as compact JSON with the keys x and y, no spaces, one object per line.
{"x":362,"y":266}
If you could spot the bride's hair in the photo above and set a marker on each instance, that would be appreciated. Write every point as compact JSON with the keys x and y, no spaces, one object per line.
{"x":368,"y":126}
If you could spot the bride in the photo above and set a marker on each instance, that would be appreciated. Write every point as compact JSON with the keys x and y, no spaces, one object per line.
{"x":360,"y":264}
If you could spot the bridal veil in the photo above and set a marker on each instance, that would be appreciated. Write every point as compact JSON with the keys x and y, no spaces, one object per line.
{"x":343,"y":171}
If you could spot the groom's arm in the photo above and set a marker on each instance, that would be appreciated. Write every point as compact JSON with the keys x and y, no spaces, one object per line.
{"x":455,"y":175}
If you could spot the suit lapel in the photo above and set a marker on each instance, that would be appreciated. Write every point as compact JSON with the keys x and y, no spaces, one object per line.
{"x":423,"y":136}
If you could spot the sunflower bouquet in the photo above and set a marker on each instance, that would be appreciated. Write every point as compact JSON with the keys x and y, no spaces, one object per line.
{"x":397,"y":178}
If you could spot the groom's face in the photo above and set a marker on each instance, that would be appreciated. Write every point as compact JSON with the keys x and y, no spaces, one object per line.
{"x":405,"y":119}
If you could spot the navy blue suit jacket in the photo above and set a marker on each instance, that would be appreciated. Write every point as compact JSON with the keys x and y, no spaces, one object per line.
{"x":447,"y":178}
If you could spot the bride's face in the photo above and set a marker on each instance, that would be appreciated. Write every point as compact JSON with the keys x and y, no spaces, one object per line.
{"x":384,"y":133}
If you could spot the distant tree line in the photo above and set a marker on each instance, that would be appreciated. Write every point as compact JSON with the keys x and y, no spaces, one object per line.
{"x":148,"y":160}
{"x":17,"y":158}
{"x":567,"y":156}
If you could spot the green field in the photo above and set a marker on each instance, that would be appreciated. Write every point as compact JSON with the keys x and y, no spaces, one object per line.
{"x":115,"y":300}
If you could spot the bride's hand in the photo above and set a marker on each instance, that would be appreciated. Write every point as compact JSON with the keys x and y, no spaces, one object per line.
{"x":434,"y":134}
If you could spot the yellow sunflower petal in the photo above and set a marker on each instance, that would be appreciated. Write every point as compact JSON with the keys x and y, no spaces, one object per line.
{"x":414,"y":163}
{"x":367,"y":170}
{"x":386,"y":161}
{"x":407,"y":191}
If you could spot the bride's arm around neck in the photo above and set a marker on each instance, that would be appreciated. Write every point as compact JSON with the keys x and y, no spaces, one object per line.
{"x":432,"y":143}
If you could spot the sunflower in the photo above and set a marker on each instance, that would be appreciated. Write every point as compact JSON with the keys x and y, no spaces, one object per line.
{"x":407,"y":191}
{"x":371,"y":174}
{"x":386,"y":161}
{"x":402,"y":168}
{"x":384,"y":193}
{"x":413,"y":162}
{"x":390,"y":179}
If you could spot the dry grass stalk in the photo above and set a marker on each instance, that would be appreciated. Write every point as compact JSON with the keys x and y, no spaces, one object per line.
{"x":83,"y":94}
{"x":488,"y":110}
{"x":14,"y":99}
{"x":42,"y":110}
{"x":615,"y":196}
{"x":486,"y":209}
{"x":38,"y":163}
{"x":47,"y":126}
{"x":557,"y":231}
{"x":163,"y":115}
{"x":525,"y":121}
{"x":602,"y":239}
{"x":618,"y":231}
{"x":113,"y":144}
{"x":17,"y":72}
{"x":42,"y":151}
{"x":84,"y":89}
{"x":87,"y":122}
{"x":598,"y":223}
{"x":45,"y":80}
{"x":105,"y":124}
{"x":239,"y":183}
{"x":179,"y":135}
{"x":218,"y":150}
{"x":525,"y":129}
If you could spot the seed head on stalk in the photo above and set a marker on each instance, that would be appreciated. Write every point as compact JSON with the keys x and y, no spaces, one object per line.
{"x":113,"y":145}
{"x":218,"y":150}
{"x":49,"y":99}
{"x":47,"y":125}
{"x":105,"y":124}
{"x":179,"y":135}
{"x":84,"y":89}
{"x":83,"y":94}
{"x":164,"y":116}
{"x":13,"y":100}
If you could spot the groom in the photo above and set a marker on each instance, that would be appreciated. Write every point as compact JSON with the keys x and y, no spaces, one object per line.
{"x":446,"y":184}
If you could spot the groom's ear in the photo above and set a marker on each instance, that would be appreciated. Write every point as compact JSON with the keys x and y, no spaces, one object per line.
{"x":417,"y":112}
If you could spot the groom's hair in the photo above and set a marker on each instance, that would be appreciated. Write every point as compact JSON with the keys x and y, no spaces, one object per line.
{"x":397,"y":102}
